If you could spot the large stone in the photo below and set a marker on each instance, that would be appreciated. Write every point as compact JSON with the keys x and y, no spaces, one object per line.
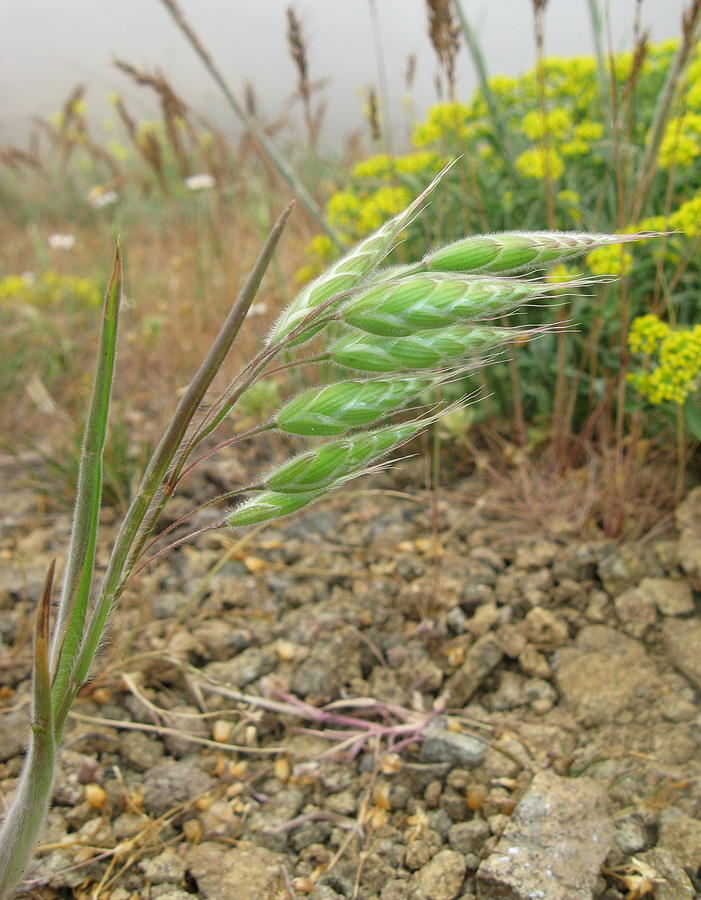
{"x":603,"y":674}
{"x":554,"y":844}
{"x":235,"y":873}
{"x":682,"y":639}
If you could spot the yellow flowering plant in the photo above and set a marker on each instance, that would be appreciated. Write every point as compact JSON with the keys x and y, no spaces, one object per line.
{"x":561,"y":163}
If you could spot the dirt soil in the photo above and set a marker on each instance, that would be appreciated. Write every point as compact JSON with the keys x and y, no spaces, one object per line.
{"x":361,"y":701}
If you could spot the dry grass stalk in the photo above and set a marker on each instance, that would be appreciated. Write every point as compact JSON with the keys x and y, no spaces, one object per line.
{"x":372,"y":114}
{"x":444,"y":32}
{"x":174,"y":109}
{"x":298,"y":48}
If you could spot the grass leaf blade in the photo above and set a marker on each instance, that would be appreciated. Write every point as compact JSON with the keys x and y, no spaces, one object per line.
{"x":81,"y":554}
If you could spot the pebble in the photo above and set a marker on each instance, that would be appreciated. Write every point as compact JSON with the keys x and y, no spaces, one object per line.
{"x":442,"y":877}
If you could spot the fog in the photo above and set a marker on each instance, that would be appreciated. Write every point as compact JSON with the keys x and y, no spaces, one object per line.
{"x":47,"y":47}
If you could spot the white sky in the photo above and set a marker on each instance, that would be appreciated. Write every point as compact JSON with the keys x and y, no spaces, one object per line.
{"x":46,"y":47}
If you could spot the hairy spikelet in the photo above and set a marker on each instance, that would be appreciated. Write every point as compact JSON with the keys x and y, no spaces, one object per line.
{"x":423,"y":350}
{"x":338,"y":408}
{"x":318,"y":469}
{"x":345,"y":274}
{"x":436,"y":301}
{"x":269,"y":505}
{"x":513,"y":252}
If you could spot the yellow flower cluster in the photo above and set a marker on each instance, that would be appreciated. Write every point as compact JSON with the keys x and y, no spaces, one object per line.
{"x":687,"y":217}
{"x":532,"y":163}
{"x":383,"y":165}
{"x":681,"y":142}
{"x":52,"y":289}
{"x":646,"y":334}
{"x":381,"y":205}
{"x":678,"y":371}
{"x":612,"y":260}
{"x":320,"y":252}
{"x":558,"y":123}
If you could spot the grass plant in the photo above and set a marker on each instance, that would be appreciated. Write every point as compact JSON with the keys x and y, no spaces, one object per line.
{"x":466,"y":283}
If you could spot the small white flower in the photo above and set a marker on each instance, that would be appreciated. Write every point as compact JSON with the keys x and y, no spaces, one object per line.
{"x":201,"y":182}
{"x":61,"y":241}
{"x":258,"y":309}
{"x":97,"y":198}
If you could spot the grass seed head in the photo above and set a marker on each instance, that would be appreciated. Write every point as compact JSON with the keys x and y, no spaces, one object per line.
{"x":318,"y":469}
{"x":429,"y":301}
{"x":513,"y":252}
{"x":338,"y":408}
{"x":268,"y":505}
{"x":423,"y":350}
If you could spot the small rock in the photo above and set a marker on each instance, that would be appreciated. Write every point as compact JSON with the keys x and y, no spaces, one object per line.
{"x":484,"y":619}
{"x":682,"y":837}
{"x":596,"y":610}
{"x":168,"y":605}
{"x":482,"y":658}
{"x":395,"y":889}
{"x":171,"y":783}
{"x":672,"y":596}
{"x":185,"y":721}
{"x":14,"y":733}
{"x":442,"y":877}
{"x":545,"y":630}
{"x":605,"y":674}
{"x":554,"y":844}
{"x":469,"y":837}
{"x":443,"y":746}
{"x":248,"y":666}
{"x":621,"y":569}
{"x":167,"y":868}
{"x":533,"y":663}
{"x":536,"y":556}
{"x":689,"y":556}
{"x":139,"y":751}
{"x":235,"y":873}
{"x":422,"y":849}
{"x":682,"y":640}
{"x":577,"y":563}
{"x":636,"y":612}
{"x":673,"y":882}
{"x":630,"y":836}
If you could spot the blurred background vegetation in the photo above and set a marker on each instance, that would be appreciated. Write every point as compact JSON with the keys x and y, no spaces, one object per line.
{"x":604,"y":143}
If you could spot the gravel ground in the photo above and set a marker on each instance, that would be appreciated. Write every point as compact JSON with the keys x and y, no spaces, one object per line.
{"x":389,"y":696}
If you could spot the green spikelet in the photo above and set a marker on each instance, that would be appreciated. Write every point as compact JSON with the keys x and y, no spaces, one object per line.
{"x":338,"y":408}
{"x":347,"y":273}
{"x":509,"y":253}
{"x":318,"y":469}
{"x":269,"y":505}
{"x":436,"y":301}
{"x":422,"y":350}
